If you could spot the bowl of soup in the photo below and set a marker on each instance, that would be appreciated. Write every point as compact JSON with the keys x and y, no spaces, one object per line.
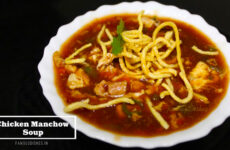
{"x":138,"y":74}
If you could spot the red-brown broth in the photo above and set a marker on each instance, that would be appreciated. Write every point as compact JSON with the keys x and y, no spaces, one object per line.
{"x":107,"y":118}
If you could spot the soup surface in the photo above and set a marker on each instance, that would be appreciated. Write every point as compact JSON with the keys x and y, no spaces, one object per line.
{"x":140,"y":75}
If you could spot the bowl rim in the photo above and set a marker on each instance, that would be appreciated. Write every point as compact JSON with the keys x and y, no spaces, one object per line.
{"x":199,"y":130}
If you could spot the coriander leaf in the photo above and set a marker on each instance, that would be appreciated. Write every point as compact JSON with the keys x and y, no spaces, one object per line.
{"x":117,"y":45}
{"x":120,"y":27}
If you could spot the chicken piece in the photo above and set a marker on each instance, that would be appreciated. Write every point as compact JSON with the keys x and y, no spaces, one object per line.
{"x":95,"y":55}
{"x":201,"y":70}
{"x":95,"y":50}
{"x":147,"y":22}
{"x":79,"y":79}
{"x":109,"y":69}
{"x":58,"y":61}
{"x":77,"y":94}
{"x":105,"y":60}
{"x":112,"y":89}
{"x":94,"y":58}
{"x":81,"y":73}
{"x":201,"y":77}
{"x":100,"y":89}
{"x":136,"y":85}
{"x":74,"y":81}
{"x":108,"y":72}
{"x":70,"y":68}
{"x":117,"y":88}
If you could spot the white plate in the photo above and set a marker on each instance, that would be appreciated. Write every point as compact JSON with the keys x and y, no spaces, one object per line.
{"x":201,"y":129}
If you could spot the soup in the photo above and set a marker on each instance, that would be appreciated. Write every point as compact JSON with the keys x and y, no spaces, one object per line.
{"x":140,"y":75}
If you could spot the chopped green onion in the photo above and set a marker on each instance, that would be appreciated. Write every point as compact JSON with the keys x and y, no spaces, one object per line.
{"x":126,"y":111}
{"x":138,"y":102}
{"x":92,"y":72}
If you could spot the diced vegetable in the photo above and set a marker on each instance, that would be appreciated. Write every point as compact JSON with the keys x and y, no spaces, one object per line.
{"x":185,"y":109}
{"x":159,"y":107}
{"x":216,"y":68}
{"x":212,"y":61}
{"x":138,"y":102}
{"x":136,"y":85}
{"x":135,"y":116}
{"x":62,"y":71}
{"x":126,"y":111}
{"x":176,"y":119}
{"x":155,"y":97}
{"x":92,"y":72}
{"x":119,"y":111}
{"x":70,"y":68}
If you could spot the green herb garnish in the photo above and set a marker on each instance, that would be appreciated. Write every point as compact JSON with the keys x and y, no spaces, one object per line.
{"x":126,"y":111}
{"x":117,"y":44}
{"x":120,"y":27}
{"x":138,"y":102}
{"x":92,"y":72}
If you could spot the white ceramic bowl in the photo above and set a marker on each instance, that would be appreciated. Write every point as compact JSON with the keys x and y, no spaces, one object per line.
{"x":201,"y":129}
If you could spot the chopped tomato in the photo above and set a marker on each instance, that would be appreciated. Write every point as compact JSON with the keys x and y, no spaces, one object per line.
{"x":119,"y":111}
{"x":62,"y":71}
